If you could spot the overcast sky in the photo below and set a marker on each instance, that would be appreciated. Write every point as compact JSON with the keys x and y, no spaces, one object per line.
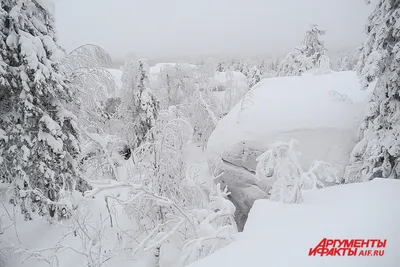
{"x":154,"y":28}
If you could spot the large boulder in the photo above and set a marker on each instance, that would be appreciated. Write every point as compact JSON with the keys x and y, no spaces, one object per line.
{"x":236,"y":170}
{"x":321,"y":112}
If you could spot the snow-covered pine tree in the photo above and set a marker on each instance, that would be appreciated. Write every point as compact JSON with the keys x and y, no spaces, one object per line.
{"x":176,"y":84}
{"x":324,"y":65}
{"x":378,"y":152}
{"x":139,"y":105}
{"x":294,"y":64}
{"x":253,"y":76}
{"x":39,"y":145}
{"x":344,"y":64}
{"x":304,"y":57}
{"x":313,"y":47}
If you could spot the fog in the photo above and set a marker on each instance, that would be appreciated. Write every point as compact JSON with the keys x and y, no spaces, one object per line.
{"x":159,"y":28}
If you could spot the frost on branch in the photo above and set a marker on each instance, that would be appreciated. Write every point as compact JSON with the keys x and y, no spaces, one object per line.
{"x":176,"y":84}
{"x":215,"y":228}
{"x":100,"y":156}
{"x":294,"y":64}
{"x":281,"y":166}
{"x":378,"y":152}
{"x":139,"y":107}
{"x":279,"y":170}
{"x":162,"y":166}
{"x":92,"y":85}
{"x":87,"y":56}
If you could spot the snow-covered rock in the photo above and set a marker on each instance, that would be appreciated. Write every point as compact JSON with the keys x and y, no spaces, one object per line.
{"x":322,"y":112}
{"x":281,"y":235}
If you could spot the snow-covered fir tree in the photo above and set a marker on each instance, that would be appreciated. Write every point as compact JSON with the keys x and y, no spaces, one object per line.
{"x":378,"y":152}
{"x":313,"y":47}
{"x":294,"y":64}
{"x":139,"y":106}
{"x":176,"y":84}
{"x":344,"y":64}
{"x":306,"y":56}
{"x":324,"y":65}
{"x":39,"y":137}
{"x":254,"y":76}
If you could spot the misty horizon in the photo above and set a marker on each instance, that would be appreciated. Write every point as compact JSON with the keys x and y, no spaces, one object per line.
{"x":200,"y":29}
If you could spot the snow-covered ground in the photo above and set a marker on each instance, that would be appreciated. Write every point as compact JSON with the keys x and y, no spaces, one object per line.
{"x":322,"y":112}
{"x":280,"y":235}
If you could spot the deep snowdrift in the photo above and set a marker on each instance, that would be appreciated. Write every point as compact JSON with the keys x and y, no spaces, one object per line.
{"x":322,"y":112}
{"x":280,"y":235}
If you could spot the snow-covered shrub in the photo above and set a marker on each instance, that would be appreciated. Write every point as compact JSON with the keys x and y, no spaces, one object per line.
{"x":202,"y":109}
{"x":344,"y":64}
{"x":176,"y":85}
{"x":234,"y":92}
{"x":86,"y":56}
{"x":282,"y":176}
{"x":100,"y":156}
{"x":39,"y":147}
{"x":91,"y":83}
{"x":215,"y":228}
{"x":281,"y":165}
{"x":324,"y":174}
{"x":324,"y":65}
{"x":294,"y":64}
{"x":162,"y":167}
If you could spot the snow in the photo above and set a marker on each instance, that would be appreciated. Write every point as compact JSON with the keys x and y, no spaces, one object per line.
{"x":39,"y":234}
{"x":117,"y":74}
{"x":280,"y":235}
{"x":156,"y":69}
{"x":322,"y":112}
{"x":223,"y":77}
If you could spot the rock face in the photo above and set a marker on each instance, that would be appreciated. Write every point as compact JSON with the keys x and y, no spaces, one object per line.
{"x":236,"y":170}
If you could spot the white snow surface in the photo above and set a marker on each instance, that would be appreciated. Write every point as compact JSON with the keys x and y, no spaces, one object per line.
{"x":117,"y":74}
{"x":322,"y":112}
{"x":156,"y":69}
{"x":280,"y":235}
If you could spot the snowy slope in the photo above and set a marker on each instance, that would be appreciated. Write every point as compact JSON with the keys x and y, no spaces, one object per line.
{"x":323,"y":112}
{"x":280,"y":235}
